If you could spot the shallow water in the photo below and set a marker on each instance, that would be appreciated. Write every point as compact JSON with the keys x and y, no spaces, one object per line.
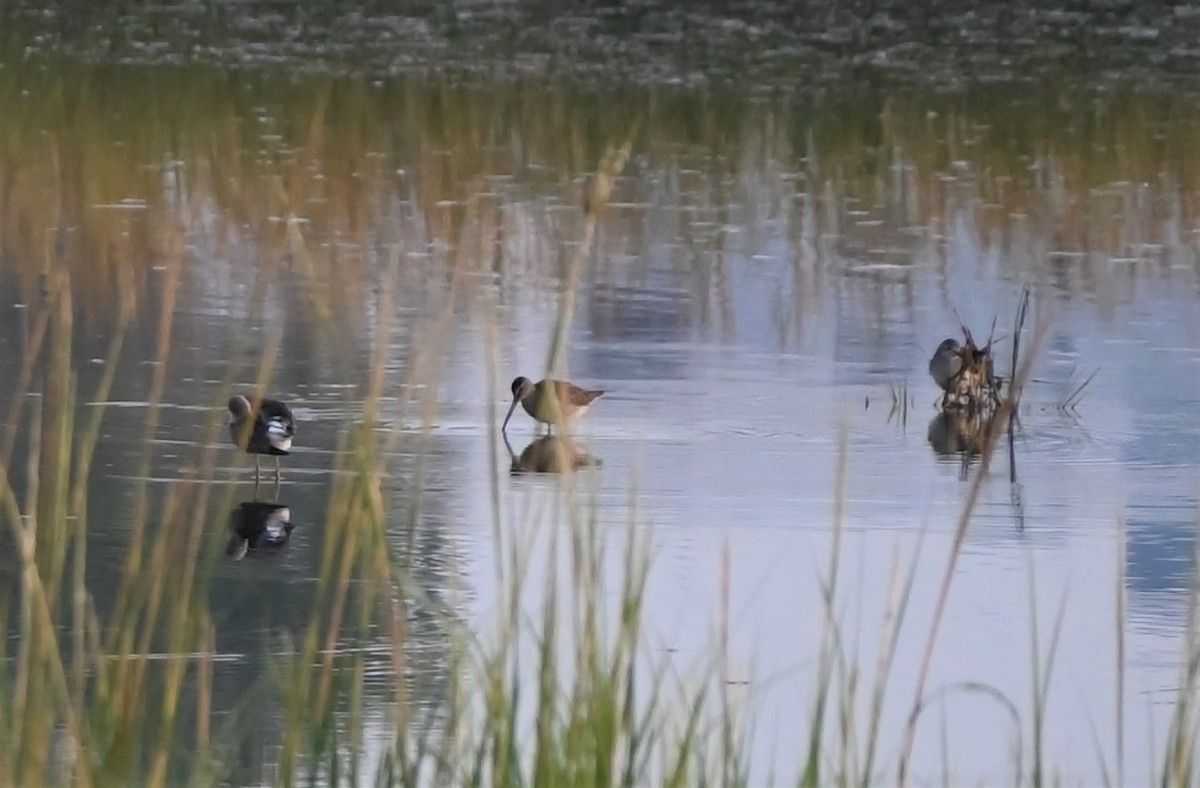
{"x":770,"y":272}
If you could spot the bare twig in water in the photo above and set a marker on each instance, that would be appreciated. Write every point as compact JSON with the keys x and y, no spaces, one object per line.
{"x":1073,"y":391}
{"x":1018,"y":326}
{"x":599,"y":190}
{"x":899,"y":394}
{"x":991,"y":336}
{"x":963,"y":327}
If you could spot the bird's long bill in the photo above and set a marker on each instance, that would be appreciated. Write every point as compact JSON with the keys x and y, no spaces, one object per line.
{"x":508,"y":416}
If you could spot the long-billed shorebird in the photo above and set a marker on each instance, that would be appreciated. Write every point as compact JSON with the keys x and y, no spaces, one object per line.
{"x":552,"y":402}
{"x":267,"y":430}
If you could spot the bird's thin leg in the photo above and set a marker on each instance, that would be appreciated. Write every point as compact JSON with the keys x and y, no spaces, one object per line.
{"x":276,"y":489}
{"x":256,"y":487}
{"x":276,"y":471}
{"x":256,"y":469}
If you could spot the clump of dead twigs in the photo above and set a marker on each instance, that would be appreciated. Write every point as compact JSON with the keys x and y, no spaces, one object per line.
{"x":975,"y":386}
{"x":967,"y":369}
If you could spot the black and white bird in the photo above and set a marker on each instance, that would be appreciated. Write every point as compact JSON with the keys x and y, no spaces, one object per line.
{"x":269,"y":429}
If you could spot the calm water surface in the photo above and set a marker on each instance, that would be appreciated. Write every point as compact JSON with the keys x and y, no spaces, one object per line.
{"x":769,"y":273}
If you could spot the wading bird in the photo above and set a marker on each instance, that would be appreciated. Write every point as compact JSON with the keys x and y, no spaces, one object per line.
{"x":267,"y":430}
{"x":552,"y":402}
{"x":946,"y":365}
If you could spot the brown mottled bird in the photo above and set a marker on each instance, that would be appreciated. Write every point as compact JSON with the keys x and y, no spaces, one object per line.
{"x":552,"y":402}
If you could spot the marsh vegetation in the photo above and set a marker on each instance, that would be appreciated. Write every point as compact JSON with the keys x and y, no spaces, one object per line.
{"x":737,"y":569}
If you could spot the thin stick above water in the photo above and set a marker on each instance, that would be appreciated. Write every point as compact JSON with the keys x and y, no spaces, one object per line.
{"x":599,"y":190}
{"x":1018,"y":326}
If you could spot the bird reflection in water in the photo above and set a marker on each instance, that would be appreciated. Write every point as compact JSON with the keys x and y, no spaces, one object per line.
{"x":958,"y":431}
{"x":962,"y":433}
{"x":258,"y":525}
{"x":550,"y":454}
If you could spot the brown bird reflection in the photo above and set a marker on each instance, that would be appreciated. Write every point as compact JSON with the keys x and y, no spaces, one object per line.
{"x":258,"y":525}
{"x":550,"y":454}
{"x":956,"y":431}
